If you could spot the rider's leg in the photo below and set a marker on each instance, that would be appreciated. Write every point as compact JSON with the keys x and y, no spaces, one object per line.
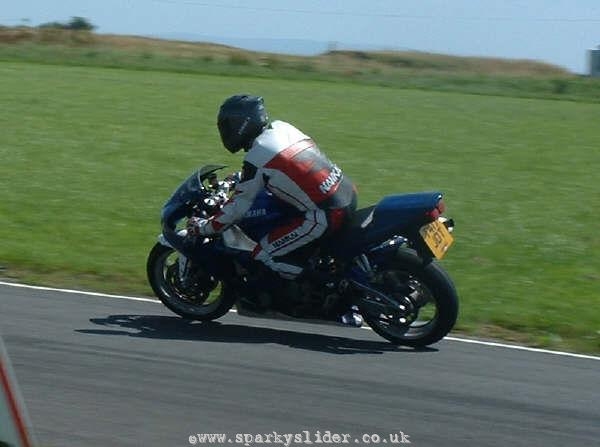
{"x":295,"y":234}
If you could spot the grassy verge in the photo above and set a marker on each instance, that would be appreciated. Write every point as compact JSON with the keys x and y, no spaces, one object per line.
{"x":89,"y":155}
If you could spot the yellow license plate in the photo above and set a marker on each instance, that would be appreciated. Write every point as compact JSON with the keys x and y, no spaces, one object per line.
{"x":437,"y":237}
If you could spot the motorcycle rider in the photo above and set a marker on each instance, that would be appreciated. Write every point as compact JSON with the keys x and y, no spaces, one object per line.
{"x":289,"y":164}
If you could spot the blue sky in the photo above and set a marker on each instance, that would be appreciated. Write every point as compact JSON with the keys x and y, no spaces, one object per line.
{"x":555,"y":31}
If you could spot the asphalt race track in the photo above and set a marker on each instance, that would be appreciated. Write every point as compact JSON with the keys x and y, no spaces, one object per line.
{"x":101,"y":371}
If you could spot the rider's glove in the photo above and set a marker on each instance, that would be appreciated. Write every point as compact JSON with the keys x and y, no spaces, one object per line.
{"x":195,"y":226}
{"x":234,"y":178}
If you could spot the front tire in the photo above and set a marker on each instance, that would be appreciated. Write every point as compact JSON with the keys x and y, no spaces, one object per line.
{"x":206,"y":299}
{"x":426,"y":292}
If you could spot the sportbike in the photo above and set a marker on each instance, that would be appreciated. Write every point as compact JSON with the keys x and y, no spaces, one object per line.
{"x":383,"y":265}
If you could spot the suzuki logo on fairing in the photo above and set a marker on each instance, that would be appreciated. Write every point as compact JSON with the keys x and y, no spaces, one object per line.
{"x":331,"y":180}
{"x":259,"y":212}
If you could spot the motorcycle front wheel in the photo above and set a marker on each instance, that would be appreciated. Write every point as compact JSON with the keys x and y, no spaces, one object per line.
{"x":426,"y":302}
{"x":200,"y":297}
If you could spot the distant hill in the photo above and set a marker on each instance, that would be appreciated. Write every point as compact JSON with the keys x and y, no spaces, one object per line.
{"x":306,"y":47}
{"x":337,"y":61}
{"x":396,"y":69}
{"x":294,"y":47}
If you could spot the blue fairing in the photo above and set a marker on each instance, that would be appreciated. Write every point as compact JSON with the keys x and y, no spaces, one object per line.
{"x":189,"y":192}
{"x":403,"y":209}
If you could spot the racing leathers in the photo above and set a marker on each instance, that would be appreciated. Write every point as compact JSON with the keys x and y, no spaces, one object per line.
{"x":289,"y":164}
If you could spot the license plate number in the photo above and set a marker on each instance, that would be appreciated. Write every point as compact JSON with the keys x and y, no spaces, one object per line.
{"x":437,"y":237}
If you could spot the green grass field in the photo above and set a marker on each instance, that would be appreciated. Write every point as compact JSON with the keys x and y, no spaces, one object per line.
{"x":89,"y":155}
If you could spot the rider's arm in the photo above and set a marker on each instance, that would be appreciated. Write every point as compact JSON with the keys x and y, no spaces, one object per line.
{"x":241,"y":201}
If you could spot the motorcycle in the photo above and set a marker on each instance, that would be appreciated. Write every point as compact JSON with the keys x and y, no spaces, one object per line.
{"x":382,"y":265}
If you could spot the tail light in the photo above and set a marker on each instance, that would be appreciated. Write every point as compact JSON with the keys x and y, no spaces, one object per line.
{"x":437,"y":211}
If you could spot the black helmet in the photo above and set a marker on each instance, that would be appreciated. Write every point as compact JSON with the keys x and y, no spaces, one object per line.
{"x":241,"y":119}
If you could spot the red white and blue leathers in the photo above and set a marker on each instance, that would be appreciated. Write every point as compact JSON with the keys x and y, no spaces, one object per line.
{"x":289,"y":164}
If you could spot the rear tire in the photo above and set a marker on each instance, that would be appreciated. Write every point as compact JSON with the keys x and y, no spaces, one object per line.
{"x":207,"y":299}
{"x":430,"y":288}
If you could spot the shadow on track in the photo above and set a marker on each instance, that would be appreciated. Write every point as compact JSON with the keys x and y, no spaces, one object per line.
{"x":175,"y":328}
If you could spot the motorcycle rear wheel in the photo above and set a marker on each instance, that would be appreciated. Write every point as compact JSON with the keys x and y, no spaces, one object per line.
{"x":206,"y":299}
{"x":433,"y":301}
